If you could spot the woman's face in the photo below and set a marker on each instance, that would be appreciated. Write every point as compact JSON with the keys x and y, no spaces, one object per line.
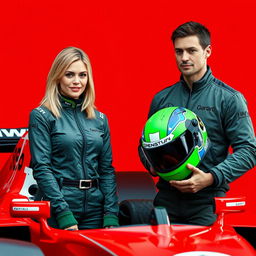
{"x":74,"y":80}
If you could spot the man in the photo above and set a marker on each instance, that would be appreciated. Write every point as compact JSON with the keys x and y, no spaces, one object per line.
{"x":224,"y":112}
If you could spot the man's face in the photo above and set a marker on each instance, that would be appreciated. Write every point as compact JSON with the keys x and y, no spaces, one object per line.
{"x":191,"y":58}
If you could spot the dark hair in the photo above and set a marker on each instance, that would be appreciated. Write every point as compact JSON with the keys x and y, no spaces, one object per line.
{"x":192,"y":28}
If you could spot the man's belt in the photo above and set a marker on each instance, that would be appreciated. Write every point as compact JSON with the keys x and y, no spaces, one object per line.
{"x":82,"y":184}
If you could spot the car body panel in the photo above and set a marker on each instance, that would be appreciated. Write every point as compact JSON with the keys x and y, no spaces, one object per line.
{"x":19,"y":210}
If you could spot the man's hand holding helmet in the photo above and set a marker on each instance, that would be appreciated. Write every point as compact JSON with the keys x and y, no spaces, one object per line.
{"x":196,"y":182}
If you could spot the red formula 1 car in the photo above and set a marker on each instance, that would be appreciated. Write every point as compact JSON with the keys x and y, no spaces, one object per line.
{"x":144,"y":230}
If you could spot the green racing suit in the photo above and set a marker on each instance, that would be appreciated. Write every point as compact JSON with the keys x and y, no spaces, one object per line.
{"x":73,"y":147}
{"x":224,"y":112}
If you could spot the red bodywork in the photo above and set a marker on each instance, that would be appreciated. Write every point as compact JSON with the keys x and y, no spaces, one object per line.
{"x":18,"y":210}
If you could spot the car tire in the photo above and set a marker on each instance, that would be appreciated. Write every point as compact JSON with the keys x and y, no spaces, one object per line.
{"x":135,"y":211}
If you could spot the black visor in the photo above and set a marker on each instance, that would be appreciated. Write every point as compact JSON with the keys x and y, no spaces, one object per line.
{"x":171,"y":155}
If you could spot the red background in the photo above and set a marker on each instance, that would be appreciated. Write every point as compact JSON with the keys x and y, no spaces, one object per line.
{"x":132,"y":57}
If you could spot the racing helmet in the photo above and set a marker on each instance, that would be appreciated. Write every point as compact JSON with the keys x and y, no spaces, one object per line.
{"x":172,"y":138}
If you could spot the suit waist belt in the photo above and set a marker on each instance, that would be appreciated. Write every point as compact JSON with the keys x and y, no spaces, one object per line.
{"x":81,"y":184}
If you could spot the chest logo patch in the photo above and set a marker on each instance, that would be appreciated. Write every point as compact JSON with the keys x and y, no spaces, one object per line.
{"x":206,"y":108}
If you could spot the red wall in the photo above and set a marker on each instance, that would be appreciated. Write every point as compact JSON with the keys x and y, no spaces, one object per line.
{"x":129,"y":46}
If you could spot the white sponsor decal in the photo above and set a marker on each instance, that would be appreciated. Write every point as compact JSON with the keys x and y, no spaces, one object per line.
{"x":201,"y":253}
{"x":25,"y":209}
{"x":12,"y":132}
{"x":101,"y":115}
{"x":154,"y":136}
{"x":19,"y":200}
{"x":159,"y":142}
{"x":242,"y":203}
{"x":41,"y":110}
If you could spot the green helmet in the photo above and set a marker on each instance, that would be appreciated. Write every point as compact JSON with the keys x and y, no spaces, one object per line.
{"x":172,"y":138}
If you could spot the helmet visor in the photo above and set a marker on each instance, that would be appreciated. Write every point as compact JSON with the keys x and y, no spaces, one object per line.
{"x":170,"y":156}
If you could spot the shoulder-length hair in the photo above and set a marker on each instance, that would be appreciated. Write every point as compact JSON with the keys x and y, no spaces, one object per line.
{"x":61,"y":63}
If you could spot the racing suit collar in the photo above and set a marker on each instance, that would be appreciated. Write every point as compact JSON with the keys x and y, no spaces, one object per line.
{"x":70,"y":102}
{"x":200,"y":84}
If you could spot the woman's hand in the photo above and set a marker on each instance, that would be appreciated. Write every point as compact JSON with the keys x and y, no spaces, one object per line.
{"x":72,"y":228}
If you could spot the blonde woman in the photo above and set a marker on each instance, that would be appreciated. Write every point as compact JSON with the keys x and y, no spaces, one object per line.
{"x":70,"y":148}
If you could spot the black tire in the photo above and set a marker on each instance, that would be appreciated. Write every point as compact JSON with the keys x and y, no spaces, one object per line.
{"x":136,"y":211}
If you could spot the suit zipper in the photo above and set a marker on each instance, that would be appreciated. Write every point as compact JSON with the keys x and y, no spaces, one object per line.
{"x":83,"y":157}
{"x":189,"y":98}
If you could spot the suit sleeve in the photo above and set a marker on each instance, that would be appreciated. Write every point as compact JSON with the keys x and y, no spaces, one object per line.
{"x":107,"y":173}
{"x":240,"y":133}
{"x":41,"y":150}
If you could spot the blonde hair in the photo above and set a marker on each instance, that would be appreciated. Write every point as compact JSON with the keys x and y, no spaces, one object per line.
{"x":61,"y":63}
